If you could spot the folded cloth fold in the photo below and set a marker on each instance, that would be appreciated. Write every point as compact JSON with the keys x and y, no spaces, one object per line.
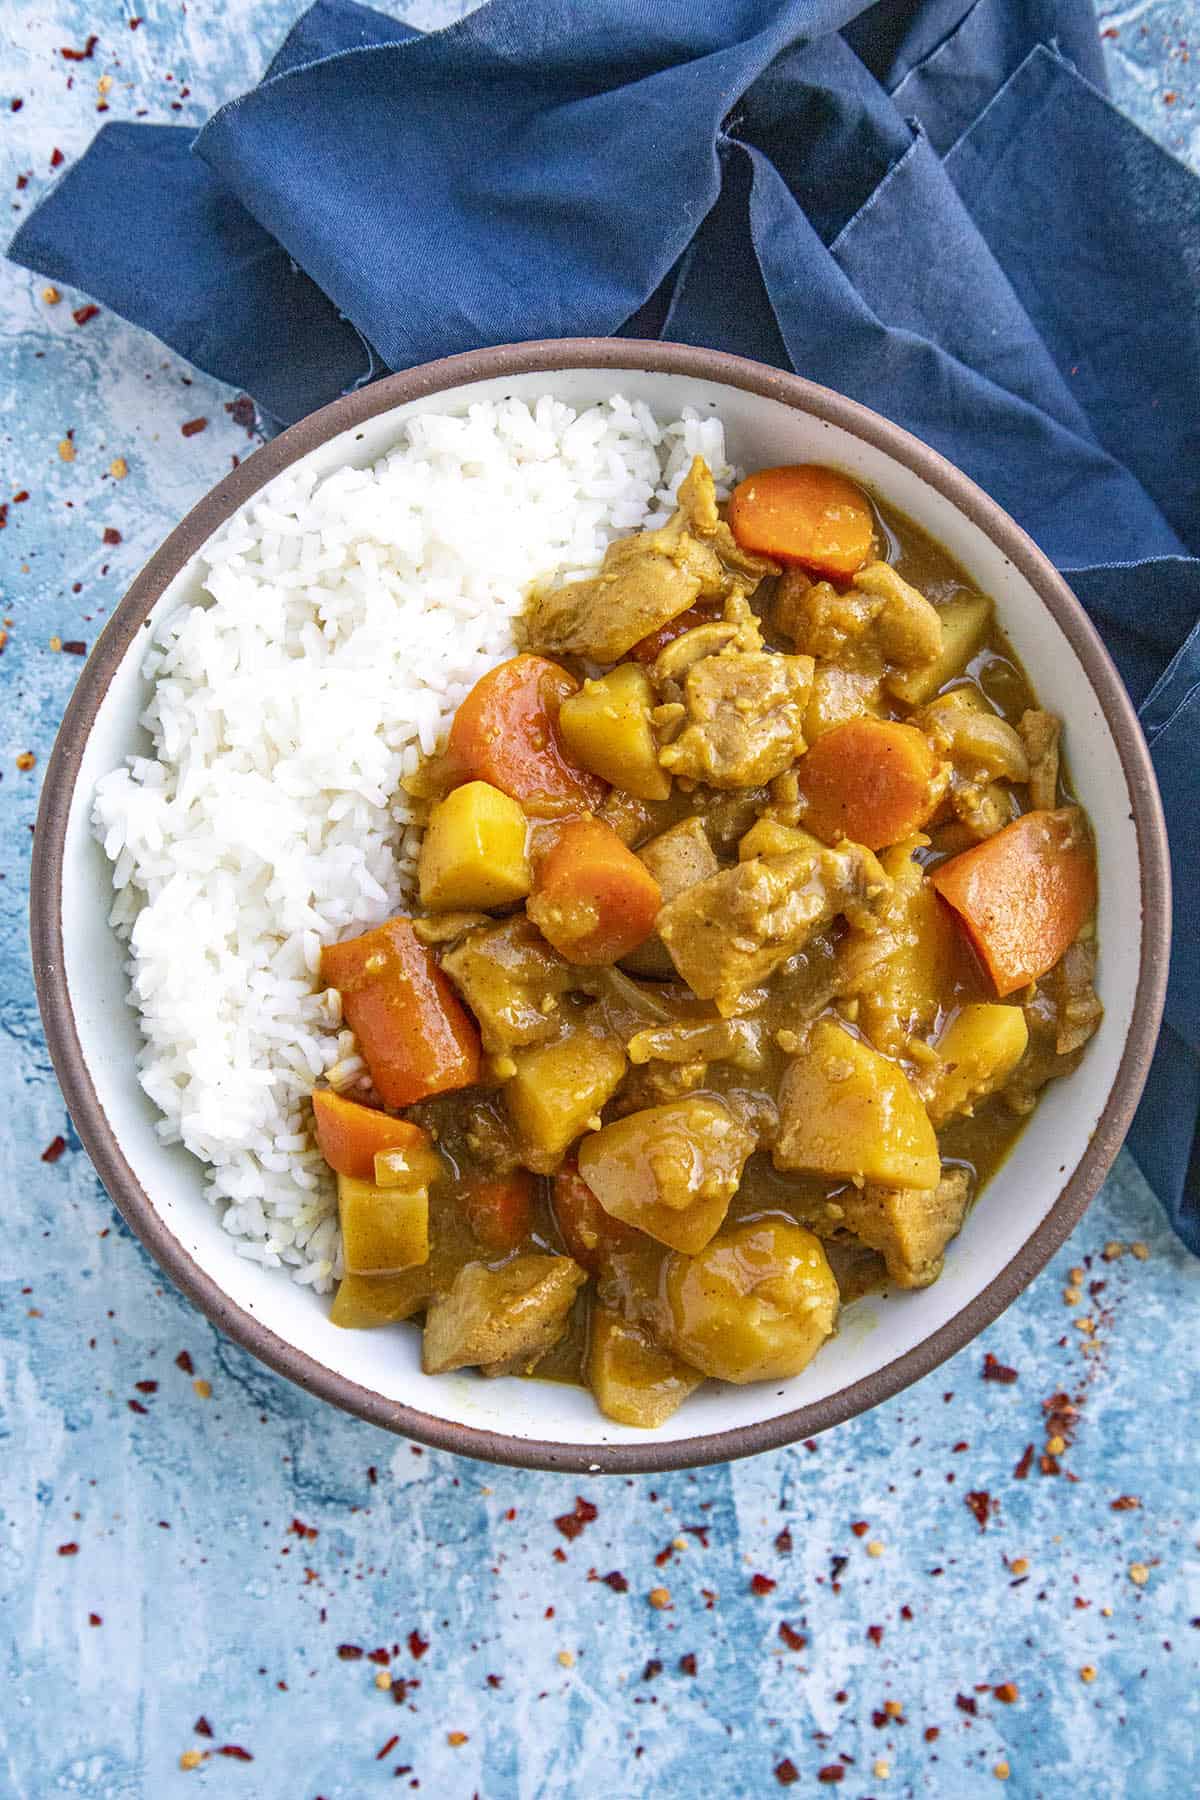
{"x":929,"y":205}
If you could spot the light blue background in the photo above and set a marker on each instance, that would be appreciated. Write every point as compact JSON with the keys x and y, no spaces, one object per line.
{"x":188,"y":1517}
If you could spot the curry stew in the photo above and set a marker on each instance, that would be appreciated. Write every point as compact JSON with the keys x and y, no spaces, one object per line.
{"x":754,"y":914}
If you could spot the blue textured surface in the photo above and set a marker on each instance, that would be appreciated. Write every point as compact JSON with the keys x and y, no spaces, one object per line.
{"x":184,"y":1528}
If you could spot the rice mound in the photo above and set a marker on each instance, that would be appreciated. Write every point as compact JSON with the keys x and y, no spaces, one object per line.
{"x":345,"y":619}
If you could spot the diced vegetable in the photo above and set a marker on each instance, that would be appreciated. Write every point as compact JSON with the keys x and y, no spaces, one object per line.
{"x":633,"y":1380}
{"x":755,"y":1305}
{"x":847,"y":1111}
{"x":870,"y":780}
{"x":767,"y":837}
{"x":910,"y":1227}
{"x":907,"y":986}
{"x":365,"y":1301}
{"x":501,"y":1319}
{"x":506,"y":732}
{"x":646,"y":649}
{"x":593,"y":899}
{"x":589,"y":1233}
{"x":500,"y":1210}
{"x":977,"y":1053}
{"x":679,"y":857}
{"x":1024,"y":893}
{"x":966,"y":620}
{"x":606,"y":728}
{"x":669,"y":1170}
{"x":512,"y":981}
{"x":473,"y":852}
{"x":558,"y":1090}
{"x":384,"y":1230}
{"x":837,"y":696}
{"x":415,"y":1037}
{"x":349,"y":1135}
{"x":804,"y":514}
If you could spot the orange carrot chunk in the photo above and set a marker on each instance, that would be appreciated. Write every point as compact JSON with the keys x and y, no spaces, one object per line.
{"x":414,"y":1035}
{"x":804,"y":514}
{"x":871,"y":780}
{"x":349,"y":1134}
{"x":506,"y":732}
{"x":589,"y":1233}
{"x":1024,"y":893}
{"x":592,"y":897}
{"x":500,"y":1210}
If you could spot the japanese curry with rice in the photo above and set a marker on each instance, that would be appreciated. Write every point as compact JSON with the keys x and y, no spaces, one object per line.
{"x":754,"y":914}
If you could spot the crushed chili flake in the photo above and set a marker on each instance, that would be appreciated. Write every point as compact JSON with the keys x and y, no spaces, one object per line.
{"x":299,"y":1529}
{"x":932,"y":1733}
{"x":242,"y":411}
{"x":83,"y":314}
{"x":15,"y":105}
{"x":134,"y":23}
{"x":191,"y":426}
{"x":389,"y":1746}
{"x":380,"y":1656}
{"x":146,"y":1387}
{"x":1006,"y":1692}
{"x":111,"y":535}
{"x":981,"y":1504}
{"x":879,"y":1719}
{"x":783,"y":1541}
{"x":349,"y":1652}
{"x":906,"y":1613}
{"x":572,"y":1523}
{"x":183,"y":1361}
{"x":831,"y":1774}
{"x":54,"y":1149}
{"x":202,"y":1728}
{"x":235,"y":1751}
{"x":1025,"y":1464}
{"x":875,"y":1634}
{"x":21,"y":496}
{"x":84,"y":55}
{"x":135,"y":1406}
{"x":74,"y":647}
{"x":786,"y":1772}
{"x":616,"y":1581}
{"x":836,"y":1565}
{"x":687,"y":1663}
{"x":791,"y":1637}
{"x":652,"y":1668}
{"x":762,"y":1584}
{"x":56,"y":158}
{"x":967,"y":1703}
{"x":417,"y":1644}
{"x":860,"y":1527}
{"x":997,"y":1371}
{"x":95,"y":1619}
{"x":1125,"y":1503}
{"x":495,"y":1681}
{"x":372,"y":1475}
{"x":68,"y":1549}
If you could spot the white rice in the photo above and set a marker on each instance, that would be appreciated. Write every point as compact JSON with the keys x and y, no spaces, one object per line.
{"x":345,"y":619}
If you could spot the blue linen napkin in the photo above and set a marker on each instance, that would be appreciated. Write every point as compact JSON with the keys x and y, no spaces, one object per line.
{"x":927,"y":204}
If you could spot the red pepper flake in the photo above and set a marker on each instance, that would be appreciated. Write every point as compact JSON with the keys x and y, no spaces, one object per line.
{"x":997,"y":1371}
{"x":652,"y":1669}
{"x":1125,"y":1503}
{"x":860,"y":1527}
{"x":74,"y":647}
{"x":202,"y":1728}
{"x":81,"y":316}
{"x":560,"y":1554}
{"x":372,"y":1475}
{"x":23,"y":495}
{"x":134,"y":23}
{"x":664,"y":1556}
{"x":836,"y":1565}
{"x":572,"y":1523}
{"x":906,"y":1613}
{"x":135,"y":1406}
{"x":84,"y":55}
{"x":1026,"y":1463}
{"x":95,"y":1619}
{"x":616,"y":1581}
{"x":15,"y":105}
{"x":967,"y":1703}
{"x":111,"y":535}
{"x":192,"y":426}
{"x":68,"y":1549}
{"x":380,"y":1657}
{"x":783,"y":1542}
{"x":183,"y":1361}
{"x":56,"y":158}
{"x":786,"y":1772}
{"x":762,"y":1584}
{"x":146,"y":1387}
{"x":1049,"y":1465}
{"x":236,"y":1751}
{"x":980,"y":1503}
{"x":299,"y":1529}
{"x":350,"y":1652}
{"x":54,"y":1149}
{"x":1170,"y":97}
{"x":831,"y":1774}
{"x":687,"y":1664}
{"x":417,"y":1644}
{"x":791,"y":1637}
{"x":242,"y":410}
{"x":387,"y":1748}
{"x":932,"y":1733}
{"x":875,"y":1634}
{"x":495,"y":1681}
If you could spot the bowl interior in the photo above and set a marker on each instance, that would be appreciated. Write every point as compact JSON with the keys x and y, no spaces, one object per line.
{"x":874,"y":1331}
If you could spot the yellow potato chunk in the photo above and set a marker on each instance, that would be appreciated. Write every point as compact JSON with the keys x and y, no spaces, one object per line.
{"x":905,"y":988}
{"x":473,"y":853}
{"x":364,"y":1301}
{"x":606,"y":727}
{"x":755,"y":1305}
{"x":413,"y":1169}
{"x":558,"y":1089}
{"x":977,"y":1053}
{"x":838,"y":695}
{"x":965,"y":623}
{"x":670,"y":1170}
{"x":633,"y":1380}
{"x":847,"y":1111}
{"x":384,"y":1230}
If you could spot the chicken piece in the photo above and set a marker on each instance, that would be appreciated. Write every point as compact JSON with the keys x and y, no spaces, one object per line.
{"x":882,"y":625}
{"x":983,"y":751}
{"x":504,"y":1320}
{"x":646,"y":580}
{"x":737,"y":1041}
{"x":1040,"y":733}
{"x":733,"y":930}
{"x":744,"y":718}
{"x":1077,"y":1005}
{"x":512,"y":981}
{"x":910,"y":1227}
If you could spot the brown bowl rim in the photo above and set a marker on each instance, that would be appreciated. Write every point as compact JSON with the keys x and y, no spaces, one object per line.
{"x":550,"y":356}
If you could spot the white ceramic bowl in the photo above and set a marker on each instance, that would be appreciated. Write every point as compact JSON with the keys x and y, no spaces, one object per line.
{"x":884,"y":1342}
